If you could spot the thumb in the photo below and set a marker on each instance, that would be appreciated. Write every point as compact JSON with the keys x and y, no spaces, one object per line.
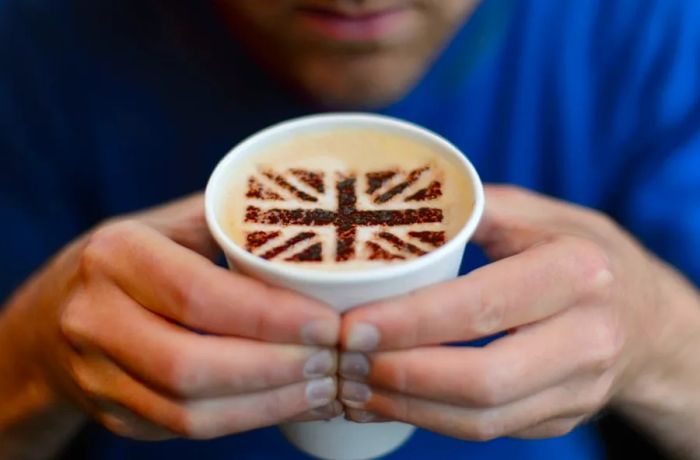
{"x":514,"y":220}
{"x":184,"y":222}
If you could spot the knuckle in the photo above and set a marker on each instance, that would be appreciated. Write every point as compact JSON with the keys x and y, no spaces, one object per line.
{"x":103,"y":242}
{"x":183,"y":422}
{"x":261,"y":322}
{"x":72,"y":320}
{"x":488,"y":314}
{"x":400,"y":379}
{"x":606,"y":347}
{"x":485,"y":429}
{"x":90,"y":258}
{"x":180,"y":374}
{"x":591,"y":265}
{"x":485,"y":390}
{"x":85,"y":381}
{"x":188,"y":302}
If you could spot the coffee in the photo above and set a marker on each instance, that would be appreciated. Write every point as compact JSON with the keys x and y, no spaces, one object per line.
{"x":346,"y":199}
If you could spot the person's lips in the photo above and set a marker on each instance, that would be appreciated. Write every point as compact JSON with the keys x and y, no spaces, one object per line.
{"x":339,"y":25}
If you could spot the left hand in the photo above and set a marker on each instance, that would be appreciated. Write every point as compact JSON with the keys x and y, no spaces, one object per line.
{"x":585,"y":310}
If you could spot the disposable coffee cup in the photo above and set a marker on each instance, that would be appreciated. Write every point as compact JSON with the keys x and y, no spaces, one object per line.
{"x":339,"y":439}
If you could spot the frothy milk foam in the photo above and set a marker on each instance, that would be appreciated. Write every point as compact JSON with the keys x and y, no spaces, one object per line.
{"x":346,"y":199}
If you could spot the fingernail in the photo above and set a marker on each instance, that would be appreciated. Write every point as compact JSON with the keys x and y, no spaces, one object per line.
{"x":355,"y":392}
{"x":354,"y":365}
{"x":321,"y":392}
{"x":320,"y":332}
{"x":320,"y":364}
{"x":363,"y":337}
{"x":331,"y":410}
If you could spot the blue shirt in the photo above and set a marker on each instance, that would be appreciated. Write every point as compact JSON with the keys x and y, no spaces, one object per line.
{"x":116,"y":105}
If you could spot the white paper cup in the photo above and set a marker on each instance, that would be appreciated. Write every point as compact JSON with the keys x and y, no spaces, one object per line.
{"x":339,"y":439}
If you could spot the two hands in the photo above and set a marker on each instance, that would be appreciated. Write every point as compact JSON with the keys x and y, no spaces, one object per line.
{"x":143,"y":332}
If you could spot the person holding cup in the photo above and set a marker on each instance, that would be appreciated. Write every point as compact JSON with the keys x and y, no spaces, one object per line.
{"x":114,"y":107}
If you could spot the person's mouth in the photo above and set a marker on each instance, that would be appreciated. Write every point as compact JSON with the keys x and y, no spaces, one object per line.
{"x":355,"y":26}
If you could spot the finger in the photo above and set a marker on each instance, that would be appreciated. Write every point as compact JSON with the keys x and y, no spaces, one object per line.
{"x":327,"y":412}
{"x":94,"y":375}
{"x":187,"y":364}
{"x":550,"y":429}
{"x":201,"y":418}
{"x":512,"y":292}
{"x":507,"y":369}
{"x":184,"y":222}
{"x":185,"y":287}
{"x":222,"y":416}
{"x":125,"y":423}
{"x":516,"y":219}
{"x":470,"y":423}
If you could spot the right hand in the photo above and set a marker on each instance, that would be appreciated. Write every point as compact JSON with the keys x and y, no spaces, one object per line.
{"x":133,"y":324}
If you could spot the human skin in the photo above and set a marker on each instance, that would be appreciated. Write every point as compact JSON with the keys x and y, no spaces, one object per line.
{"x":107,"y":329}
{"x":346,"y":53}
{"x":87,"y":359}
{"x":595,"y":319}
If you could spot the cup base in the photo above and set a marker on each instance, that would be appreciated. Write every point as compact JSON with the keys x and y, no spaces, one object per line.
{"x":339,"y":439}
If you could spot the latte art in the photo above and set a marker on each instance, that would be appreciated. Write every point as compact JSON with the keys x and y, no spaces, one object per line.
{"x":384,"y":226}
{"x":347,"y":199}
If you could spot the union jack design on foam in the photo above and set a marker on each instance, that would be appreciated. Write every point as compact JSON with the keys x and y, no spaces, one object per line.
{"x":299,"y":215}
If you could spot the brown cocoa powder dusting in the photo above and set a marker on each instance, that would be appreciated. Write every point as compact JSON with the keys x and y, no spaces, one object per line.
{"x":274,"y":252}
{"x":287,"y":217}
{"x":375,"y":180}
{"x":310,"y":178}
{"x":311,"y":254}
{"x":435,"y":239}
{"x":395,"y":217}
{"x":346,"y":217}
{"x":400,"y":244}
{"x":431,"y":192}
{"x":252,"y":214}
{"x":345,"y":245}
{"x":279,"y":180}
{"x":413,"y":176}
{"x":258,"y":191}
{"x":379,"y":253}
{"x":256,"y":239}
{"x":346,"y":231}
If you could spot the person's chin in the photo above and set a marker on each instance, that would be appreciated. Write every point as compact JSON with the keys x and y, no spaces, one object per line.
{"x":357,"y":99}
{"x":361,"y":84}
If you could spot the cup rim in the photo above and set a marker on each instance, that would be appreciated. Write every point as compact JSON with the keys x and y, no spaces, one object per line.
{"x":363,"y":274}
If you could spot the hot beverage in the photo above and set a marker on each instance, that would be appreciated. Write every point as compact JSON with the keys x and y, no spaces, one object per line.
{"x":346,"y":199}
